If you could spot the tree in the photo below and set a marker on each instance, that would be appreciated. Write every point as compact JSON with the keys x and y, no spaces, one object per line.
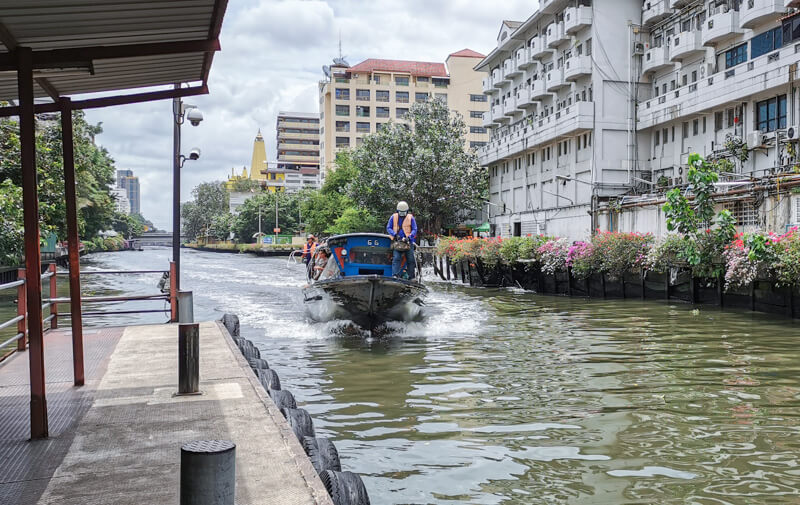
{"x":424,"y":164}
{"x":11,"y":228}
{"x":241,"y":185}
{"x":245,"y":225}
{"x":127,"y":225}
{"x":210,"y":199}
{"x":355,"y":220}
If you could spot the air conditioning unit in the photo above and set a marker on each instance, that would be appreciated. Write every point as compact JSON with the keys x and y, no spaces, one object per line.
{"x":768,"y":136}
{"x":754,"y":139}
{"x":793,"y":133}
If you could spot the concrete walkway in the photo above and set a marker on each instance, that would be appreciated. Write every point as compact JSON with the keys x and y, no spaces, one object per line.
{"x":124,"y":445}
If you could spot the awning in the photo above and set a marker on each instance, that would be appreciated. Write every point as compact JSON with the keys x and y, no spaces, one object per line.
{"x":484,"y":227}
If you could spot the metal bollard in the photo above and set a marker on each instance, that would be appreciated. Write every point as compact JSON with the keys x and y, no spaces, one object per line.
{"x":185,"y":307}
{"x":208,"y":472}
{"x":188,"y":359}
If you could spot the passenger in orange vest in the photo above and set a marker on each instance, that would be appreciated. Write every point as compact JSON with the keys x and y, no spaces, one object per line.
{"x":403,"y":228}
{"x":309,"y":248}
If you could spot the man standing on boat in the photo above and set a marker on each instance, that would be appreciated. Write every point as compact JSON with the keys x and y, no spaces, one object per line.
{"x":309,"y":248}
{"x":403,"y":228}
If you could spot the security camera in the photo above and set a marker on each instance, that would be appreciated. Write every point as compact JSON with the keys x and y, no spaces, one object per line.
{"x":194,"y":154}
{"x":194,"y":116}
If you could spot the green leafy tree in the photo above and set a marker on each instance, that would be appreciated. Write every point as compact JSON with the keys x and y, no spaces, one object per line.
{"x":245,"y":225}
{"x":210,"y":199}
{"x":11,"y":229}
{"x":245,"y":185}
{"x":355,"y":220}
{"x":424,"y":164}
{"x":127,"y":225}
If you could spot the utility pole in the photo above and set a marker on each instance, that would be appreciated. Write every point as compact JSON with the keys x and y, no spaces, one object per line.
{"x":276,"y":215}
{"x":177,"y":119}
{"x":259,"y":223}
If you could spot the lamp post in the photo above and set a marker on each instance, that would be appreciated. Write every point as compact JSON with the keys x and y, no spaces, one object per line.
{"x":179,"y":112}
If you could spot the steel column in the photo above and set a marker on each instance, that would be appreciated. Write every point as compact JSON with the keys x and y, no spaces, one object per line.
{"x":173,"y":293}
{"x":22,"y":310}
{"x":73,"y":244}
{"x":53,"y":295}
{"x":33,"y":260}
{"x":176,"y":189}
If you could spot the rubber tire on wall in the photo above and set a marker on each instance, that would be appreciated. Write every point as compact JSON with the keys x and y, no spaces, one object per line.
{"x":345,"y":488}
{"x":322,"y":453}
{"x":269,"y":379}
{"x":283,"y":399}
{"x":300,"y":422}
{"x":258,"y":363}
{"x":231,"y":322}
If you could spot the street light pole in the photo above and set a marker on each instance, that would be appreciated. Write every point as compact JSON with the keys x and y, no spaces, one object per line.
{"x":176,"y":186}
{"x":259,"y":223}
{"x":276,"y":215}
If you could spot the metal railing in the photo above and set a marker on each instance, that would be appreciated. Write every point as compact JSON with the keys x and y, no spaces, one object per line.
{"x":21,"y":319}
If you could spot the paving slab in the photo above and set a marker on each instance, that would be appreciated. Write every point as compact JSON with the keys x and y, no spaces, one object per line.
{"x":123,"y":447}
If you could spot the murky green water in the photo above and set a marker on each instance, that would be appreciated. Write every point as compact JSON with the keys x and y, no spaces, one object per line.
{"x":507,"y":397}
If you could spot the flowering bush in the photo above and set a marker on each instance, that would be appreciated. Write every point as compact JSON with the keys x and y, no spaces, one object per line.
{"x":618,"y":253}
{"x":787,"y":267}
{"x":446,"y":245}
{"x":581,"y":258}
{"x":740,"y":269}
{"x":489,"y":251}
{"x":553,"y":255}
{"x":665,"y":253}
{"x":510,"y":249}
{"x":465,"y":249}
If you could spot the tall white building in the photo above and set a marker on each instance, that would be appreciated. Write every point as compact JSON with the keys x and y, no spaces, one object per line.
{"x":596,"y":106}
{"x":121,"y":202}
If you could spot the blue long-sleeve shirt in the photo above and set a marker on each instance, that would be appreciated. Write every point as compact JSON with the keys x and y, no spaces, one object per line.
{"x":400,"y":232}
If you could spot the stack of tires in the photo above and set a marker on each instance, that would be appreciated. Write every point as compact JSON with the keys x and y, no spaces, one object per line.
{"x":345,"y":488}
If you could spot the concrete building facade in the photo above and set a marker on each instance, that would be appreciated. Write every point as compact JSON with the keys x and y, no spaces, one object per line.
{"x":121,"y":202}
{"x":357,"y":100}
{"x":596,"y":106}
{"x":298,"y":149}
{"x":130,"y":183}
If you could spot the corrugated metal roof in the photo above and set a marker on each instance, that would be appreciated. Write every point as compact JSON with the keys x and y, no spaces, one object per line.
{"x":62,"y":25}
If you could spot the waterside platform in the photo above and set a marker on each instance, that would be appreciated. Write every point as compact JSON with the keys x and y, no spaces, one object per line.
{"x":117,"y":439}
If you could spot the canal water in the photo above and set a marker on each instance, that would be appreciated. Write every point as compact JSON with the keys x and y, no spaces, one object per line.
{"x":502,"y":396}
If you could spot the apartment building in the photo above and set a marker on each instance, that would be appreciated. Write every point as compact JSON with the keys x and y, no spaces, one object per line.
{"x":298,"y":149}
{"x":560,"y":116}
{"x":597,"y":104}
{"x":358,"y":100}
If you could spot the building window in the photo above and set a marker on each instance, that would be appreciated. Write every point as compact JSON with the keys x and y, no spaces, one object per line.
{"x":477,"y":98}
{"x":731,"y":119}
{"x":685,"y":129}
{"x":744,"y":211}
{"x":442,"y":97}
{"x":717,"y":121}
{"x":376,"y":79}
{"x":382,"y":95}
{"x":362,"y":95}
{"x":695,"y":127}
{"x":342,"y":141}
{"x":477,"y":129}
{"x":665,"y":135}
{"x":381,"y":111}
{"x":401,"y":81}
{"x":791,"y":30}
{"x":704,"y":124}
{"x":771,"y":114}
{"x":342,"y":94}
{"x":400,"y":112}
{"x":342,"y":110}
{"x":362,"y":111}
{"x":359,"y":141}
{"x":423,"y":79}
{"x":362,"y":127}
{"x":440,"y":83}
{"x":766,"y":42}
{"x":476,"y":114}
{"x":420,"y":97}
{"x":401,"y":96}
{"x":736,"y":55}
{"x":657,"y":138}
{"x":476,"y":144}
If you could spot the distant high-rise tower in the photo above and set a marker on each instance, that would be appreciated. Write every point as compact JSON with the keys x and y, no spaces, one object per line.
{"x":134,"y":195}
{"x":121,"y":175}
{"x":259,"y":161}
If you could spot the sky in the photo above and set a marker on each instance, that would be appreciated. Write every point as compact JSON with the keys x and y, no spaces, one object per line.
{"x":271,"y":59}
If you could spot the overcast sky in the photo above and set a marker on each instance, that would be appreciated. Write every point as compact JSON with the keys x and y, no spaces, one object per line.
{"x":271,"y":59}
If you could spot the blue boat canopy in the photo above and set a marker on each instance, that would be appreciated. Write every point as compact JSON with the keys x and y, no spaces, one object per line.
{"x":362,"y":254}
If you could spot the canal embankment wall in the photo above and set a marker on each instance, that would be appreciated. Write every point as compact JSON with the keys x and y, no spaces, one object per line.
{"x":676,"y":285}
{"x":269,"y":250}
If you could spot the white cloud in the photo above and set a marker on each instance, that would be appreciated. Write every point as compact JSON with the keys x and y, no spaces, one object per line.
{"x":272,"y":52}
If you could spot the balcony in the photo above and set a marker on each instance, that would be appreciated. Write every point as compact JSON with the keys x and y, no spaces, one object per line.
{"x":556,"y":34}
{"x":555,"y":79}
{"x":488,"y":89}
{"x":497,"y":114}
{"x":513,"y":68}
{"x":510,"y":106}
{"x":298,"y":124}
{"x":654,"y":11}
{"x":497,"y":78}
{"x":655,"y":59}
{"x":753,"y":12}
{"x":577,"y":18}
{"x":676,"y":4}
{"x":487,"y":119}
{"x":299,"y":136}
{"x":523,"y":58}
{"x":524,"y":99}
{"x":720,"y":25}
{"x":282,"y":146}
{"x":686,"y":44}
{"x":538,"y":90}
{"x":576,"y":67}
{"x":791,"y":3}
{"x":539,"y":47}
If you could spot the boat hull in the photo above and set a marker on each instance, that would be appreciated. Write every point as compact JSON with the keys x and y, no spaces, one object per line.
{"x":367,"y":300}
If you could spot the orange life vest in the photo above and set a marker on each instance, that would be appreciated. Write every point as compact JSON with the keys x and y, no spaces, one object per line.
{"x":406,"y":223}
{"x":306,"y":251}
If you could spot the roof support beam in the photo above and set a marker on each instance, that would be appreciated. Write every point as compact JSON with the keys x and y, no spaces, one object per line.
{"x":94,"y":103}
{"x":11,"y":44}
{"x":84,"y":56}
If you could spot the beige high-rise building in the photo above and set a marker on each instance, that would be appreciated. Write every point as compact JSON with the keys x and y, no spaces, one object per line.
{"x":298,"y":149}
{"x":355,"y":101}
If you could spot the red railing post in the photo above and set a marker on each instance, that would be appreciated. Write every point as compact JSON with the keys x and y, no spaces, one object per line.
{"x":173,"y":291}
{"x":53,"y":296}
{"x":22,"y":310}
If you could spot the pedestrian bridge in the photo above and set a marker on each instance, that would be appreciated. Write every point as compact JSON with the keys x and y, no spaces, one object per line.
{"x":154,"y":239}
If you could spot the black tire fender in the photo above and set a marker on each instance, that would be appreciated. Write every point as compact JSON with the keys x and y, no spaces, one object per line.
{"x":231,"y":322}
{"x":282,"y":399}
{"x":345,"y":488}
{"x":322,"y":453}
{"x":269,"y":379}
{"x":256,"y":363}
{"x":300,"y":422}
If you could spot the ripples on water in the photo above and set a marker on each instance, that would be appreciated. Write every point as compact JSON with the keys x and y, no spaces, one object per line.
{"x":506,"y":397}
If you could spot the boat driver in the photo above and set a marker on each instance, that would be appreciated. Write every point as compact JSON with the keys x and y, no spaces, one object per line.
{"x":403,"y":228}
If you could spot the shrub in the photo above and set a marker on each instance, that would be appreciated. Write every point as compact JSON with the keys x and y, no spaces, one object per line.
{"x":787,"y":266}
{"x":581,"y":258}
{"x":553,"y":255}
{"x":618,"y":253}
{"x":445,"y":246}
{"x":489,"y":251}
{"x":664,"y":254}
{"x":511,"y":249}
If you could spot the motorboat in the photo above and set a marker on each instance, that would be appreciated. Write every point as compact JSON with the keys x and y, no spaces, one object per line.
{"x":357,"y":284}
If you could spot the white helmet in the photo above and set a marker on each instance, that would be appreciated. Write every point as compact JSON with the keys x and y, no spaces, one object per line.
{"x":402,"y":208}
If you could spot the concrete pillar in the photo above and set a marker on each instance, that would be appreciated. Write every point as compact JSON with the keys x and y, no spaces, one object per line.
{"x":208,"y":472}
